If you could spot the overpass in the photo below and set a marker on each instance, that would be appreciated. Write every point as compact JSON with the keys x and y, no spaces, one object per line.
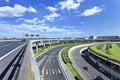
{"x":17,"y":60}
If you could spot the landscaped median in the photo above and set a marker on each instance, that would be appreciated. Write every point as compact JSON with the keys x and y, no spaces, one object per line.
{"x":69,"y":64}
{"x":43,"y":49}
{"x":111,"y":51}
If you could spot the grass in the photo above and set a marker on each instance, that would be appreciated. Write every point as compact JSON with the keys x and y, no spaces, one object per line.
{"x":43,"y":49}
{"x":112,"y":53}
{"x":118,"y":45}
{"x":69,"y":64}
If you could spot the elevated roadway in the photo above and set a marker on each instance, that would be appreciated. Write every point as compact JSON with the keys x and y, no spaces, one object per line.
{"x":79,"y":64}
{"x":49,"y":66}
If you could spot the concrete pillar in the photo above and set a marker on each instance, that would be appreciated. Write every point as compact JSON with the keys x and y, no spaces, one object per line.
{"x":37,"y":43}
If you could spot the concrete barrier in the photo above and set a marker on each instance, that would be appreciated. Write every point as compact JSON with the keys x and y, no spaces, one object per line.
{"x":29,"y":69}
{"x":116,"y":74}
{"x":66,"y":72}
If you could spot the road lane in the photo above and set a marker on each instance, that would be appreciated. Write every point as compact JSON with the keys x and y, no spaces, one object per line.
{"x":8,"y":46}
{"x":8,"y":52}
{"x":79,"y":63}
{"x":49,"y":67}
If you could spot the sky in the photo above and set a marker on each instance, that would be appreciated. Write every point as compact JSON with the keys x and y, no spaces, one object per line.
{"x":59,"y":18}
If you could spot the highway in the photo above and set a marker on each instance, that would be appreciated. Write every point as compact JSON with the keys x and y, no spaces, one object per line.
{"x":79,"y":63}
{"x":48,"y":65}
{"x":11,"y":55}
{"x":8,"y":46}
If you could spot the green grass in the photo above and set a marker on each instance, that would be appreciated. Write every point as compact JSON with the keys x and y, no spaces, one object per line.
{"x":43,"y":49}
{"x":111,"y":53}
{"x":118,"y":45}
{"x":69,"y":64}
{"x":65,"y":55}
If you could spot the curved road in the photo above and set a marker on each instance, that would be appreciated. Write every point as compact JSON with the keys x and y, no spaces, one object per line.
{"x":49,"y":66}
{"x":78,"y":63}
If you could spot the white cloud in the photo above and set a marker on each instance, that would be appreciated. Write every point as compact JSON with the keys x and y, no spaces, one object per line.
{"x":15,"y":11}
{"x":51,"y":16}
{"x":52,"y":9}
{"x":7,"y":1}
{"x":70,"y":4}
{"x":19,"y":30}
{"x":31,"y":21}
{"x":31,"y":9}
{"x":92,"y":11}
{"x":41,"y":21}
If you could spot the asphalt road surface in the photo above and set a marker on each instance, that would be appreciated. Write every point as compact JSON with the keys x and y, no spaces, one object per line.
{"x":48,"y":65}
{"x":79,"y":63}
{"x":8,"y":46}
{"x":8,"y":51}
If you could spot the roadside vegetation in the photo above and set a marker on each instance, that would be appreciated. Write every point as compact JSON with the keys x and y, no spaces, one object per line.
{"x":69,"y":64}
{"x":43,"y":49}
{"x":112,"y":51}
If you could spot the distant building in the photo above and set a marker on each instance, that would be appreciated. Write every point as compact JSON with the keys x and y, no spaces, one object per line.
{"x":103,"y":37}
{"x":92,"y":37}
{"x":107,"y":37}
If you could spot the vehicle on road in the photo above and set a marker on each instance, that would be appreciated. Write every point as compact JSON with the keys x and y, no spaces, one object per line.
{"x":85,"y":68}
{"x":101,"y":69}
{"x":98,"y":78}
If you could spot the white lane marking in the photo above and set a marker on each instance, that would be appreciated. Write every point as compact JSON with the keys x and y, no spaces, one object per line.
{"x":42,"y":72}
{"x":53,"y":71}
{"x":46,"y":71}
{"x":5,"y":45}
{"x":12,"y":51}
{"x":59,"y":71}
{"x":56,"y":71}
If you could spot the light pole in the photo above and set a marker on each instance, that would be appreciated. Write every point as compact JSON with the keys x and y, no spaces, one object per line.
{"x":44,"y":38}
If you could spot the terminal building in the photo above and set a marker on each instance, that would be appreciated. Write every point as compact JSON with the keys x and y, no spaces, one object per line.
{"x":103,"y":37}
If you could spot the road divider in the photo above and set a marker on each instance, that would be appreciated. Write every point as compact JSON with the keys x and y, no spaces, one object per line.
{"x":29,"y":69}
{"x":66,"y":72}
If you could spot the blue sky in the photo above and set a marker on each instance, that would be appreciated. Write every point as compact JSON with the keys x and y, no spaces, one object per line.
{"x":60,"y":18}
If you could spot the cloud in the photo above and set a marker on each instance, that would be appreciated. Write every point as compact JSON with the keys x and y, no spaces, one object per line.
{"x":16,"y":11}
{"x":20,"y":29}
{"x":52,"y":9}
{"x":31,"y":21}
{"x":31,"y":9}
{"x":51,"y":16}
{"x":7,"y":1}
{"x":70,"y":4}
{"x":92,"y":11}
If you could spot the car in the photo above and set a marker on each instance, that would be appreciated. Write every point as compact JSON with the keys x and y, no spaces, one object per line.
{"x":98,"y":78}
{"x":101,"y":69}
{"x":85,"y":67}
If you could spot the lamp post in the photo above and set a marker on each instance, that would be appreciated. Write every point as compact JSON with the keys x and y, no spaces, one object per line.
{"x":44,"y":38}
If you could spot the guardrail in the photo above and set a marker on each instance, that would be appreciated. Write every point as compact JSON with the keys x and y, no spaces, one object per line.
{"x":114,"y":73}
{"x":29,"y":69}
{"x":66,"y":72}
{"x":10,"y":68}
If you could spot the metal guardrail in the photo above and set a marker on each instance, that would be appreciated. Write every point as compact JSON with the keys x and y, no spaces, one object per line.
{"x":10,"y":69}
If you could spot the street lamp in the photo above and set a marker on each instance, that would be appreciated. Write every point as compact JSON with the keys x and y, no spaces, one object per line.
{"x":44,"y":37}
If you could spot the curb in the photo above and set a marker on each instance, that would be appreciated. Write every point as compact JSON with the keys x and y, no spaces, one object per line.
{"x":66,"y":72}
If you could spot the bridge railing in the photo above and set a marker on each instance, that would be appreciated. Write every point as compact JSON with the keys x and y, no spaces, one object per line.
{"x":29,"y":69}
